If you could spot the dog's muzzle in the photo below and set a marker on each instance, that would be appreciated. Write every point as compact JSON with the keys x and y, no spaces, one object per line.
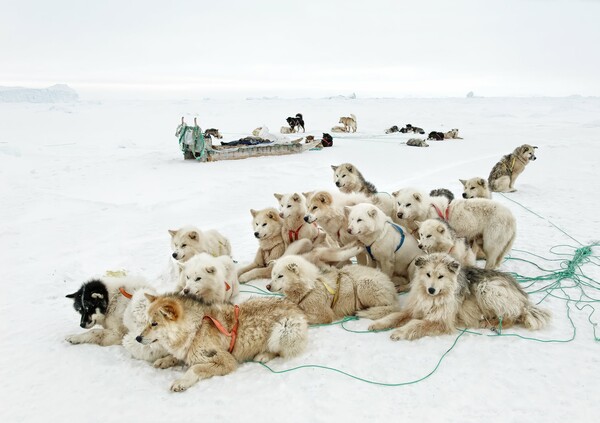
{"x":338,"y":184}
{"x":256,"y":235}
{"x":464,"y":195}
{"x":399,"y":215}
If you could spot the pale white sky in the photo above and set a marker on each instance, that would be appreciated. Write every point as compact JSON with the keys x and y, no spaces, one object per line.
{"x":305,"y":47}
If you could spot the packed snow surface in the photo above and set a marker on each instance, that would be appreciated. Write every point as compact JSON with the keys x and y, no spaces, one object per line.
{"x":94,"y":186}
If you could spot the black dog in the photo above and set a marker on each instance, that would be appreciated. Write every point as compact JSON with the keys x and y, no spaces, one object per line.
{"x":90,"y":300}
{"x":327,"y":140}
{"x":436,"y":136}
{"x":414,"y":129}
{"x":296,"y":122}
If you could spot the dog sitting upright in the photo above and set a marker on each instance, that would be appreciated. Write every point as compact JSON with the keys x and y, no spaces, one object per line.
{"x":296,"y":122}
{"x":349,"y":179}
{"x":390,"y":246}
{"x":292,"y":211}
{"x":504,"y":174}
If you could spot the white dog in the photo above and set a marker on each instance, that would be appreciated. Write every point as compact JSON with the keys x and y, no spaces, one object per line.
{"x":436,"y":236}
{"x":214,"y":279}
{"x":338,"y":129}
{"x":328,"y":295}
{"x":189,"y":241}
{"x":476,"y":188}
{"x":475,"y":219}
{"x":389,"y":245}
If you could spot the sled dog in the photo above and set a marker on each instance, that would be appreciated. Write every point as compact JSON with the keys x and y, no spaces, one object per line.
{"x":214,"y":279}
{"x":436,"y":236}
{"x":213,"y":339}
{"x":452,"y":135}
{"x":349,"y":123}
{"x":443,"y":297}
{"x":504,"y":174}
{"x":476,"y":188}
{"x":329,"y":295}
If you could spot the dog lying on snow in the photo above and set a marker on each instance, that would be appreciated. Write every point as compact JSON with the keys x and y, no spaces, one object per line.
{"x":259,"y":329}
{"x":436,"y":236}
{"x":392,"y":129}
{"x":504,"y":174}
{"x":390,"y":246}
{"x":475,"y":219}
{"x":476,"y":188}
{"x":452,"y":135}
{"x":329,"y":295}
{"x":436,"y":136}
{"x":338,"y":129}
{"x":349,"y":179}
{"x":189,"y":241}
{"x":408,"y":129}
{"x":214,"y":279}
{"x":349,"y":123}
{"x":118,"y":305}
{"x":443,"y":297}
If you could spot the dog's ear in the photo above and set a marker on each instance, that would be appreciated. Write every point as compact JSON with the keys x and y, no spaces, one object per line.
{"x":350,"y":168}
{"x":150,"y":297}
{"x":417,"y":223}
{"x":417,"y":196}
{"x":293,"y":267}
{"x":210,"y":269}
{"x":481,"y":182}
{"x":334,"y":167}
{"x":441,"y":229}
{"x":372,"y":212}
{"x":73,"y":295}
{"x":97,"y":295}
{"x":308,"y":194}
{"x":170,"y":310}
{"x":324,"y":198}
{"x":464,"y":182}
{"x":193,"y":235}
{"x":421,"y":261}
{"x":172,"y":232}
{"x":453,"y":266}
{"x":272,"y":215}
{"x":296,"y":197}
{"x":253,"y":212}
{"x":278,"y":196}
{"x":347,"y":210}
{"x":396,"y":193}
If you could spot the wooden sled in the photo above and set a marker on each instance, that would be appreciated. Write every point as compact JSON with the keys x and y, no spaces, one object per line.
{"x":195,"y":146}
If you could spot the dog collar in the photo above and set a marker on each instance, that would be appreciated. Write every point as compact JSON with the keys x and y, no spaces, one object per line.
{"x":125,"y":293}
{"x":234,"y":329}
{"x":293,"y":234}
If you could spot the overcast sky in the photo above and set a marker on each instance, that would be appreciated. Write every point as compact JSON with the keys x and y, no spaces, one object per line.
{"x":305,"y":47}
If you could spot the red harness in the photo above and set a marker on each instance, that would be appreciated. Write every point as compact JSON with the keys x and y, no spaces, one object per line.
{"x":125,"y":293}
{"x":293,"y":234}
{"x":221,"y":328}
{"x":444,"y":216}
{"x":227,"y":286}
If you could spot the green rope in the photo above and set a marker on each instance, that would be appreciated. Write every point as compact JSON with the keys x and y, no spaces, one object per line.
{"x":372,"y":382}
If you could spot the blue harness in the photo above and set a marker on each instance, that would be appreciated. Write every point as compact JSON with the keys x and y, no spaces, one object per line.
{"x":400,"y":231}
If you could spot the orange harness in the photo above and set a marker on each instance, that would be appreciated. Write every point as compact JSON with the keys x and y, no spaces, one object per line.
{"x":125,"y":293}
{"x":444,"y":216}
{"x":221,"y":328}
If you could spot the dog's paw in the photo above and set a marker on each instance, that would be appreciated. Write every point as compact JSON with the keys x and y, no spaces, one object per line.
{"x":377,"y":326}
{"x":244,"y":278}
{"x":74,"y":339}
{"x":165,"y":362}
{"x":399,"y":334}
{"x":264,"y":357}
{"x":180,"y":385}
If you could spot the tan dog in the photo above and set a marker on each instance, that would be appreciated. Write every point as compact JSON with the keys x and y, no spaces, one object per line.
{"x":475,"y":219}
{"x":267,"y":229}
{"x":189,"y":241}
{"x":338,"y":129}
{"x":286,"y":130}
{"x":332,"y":294}
{"x":476,"y":188}
{"x":436,"y":236}
{"x":504,"y":174}
{"x":349,"y":123}
{"x":292,"y":209}
{"x":258,"y":329}
{"x":452,"y":134}
{"x":443,"y":296}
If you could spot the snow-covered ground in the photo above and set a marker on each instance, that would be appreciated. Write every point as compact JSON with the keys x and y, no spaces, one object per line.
{"x":94,"y":186}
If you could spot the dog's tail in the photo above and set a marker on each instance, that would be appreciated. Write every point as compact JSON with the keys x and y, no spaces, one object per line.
{"x":289,"y":336}
{"x":353,"y":117}
{"x":534,"y":317}
{"x":378,"y":312}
